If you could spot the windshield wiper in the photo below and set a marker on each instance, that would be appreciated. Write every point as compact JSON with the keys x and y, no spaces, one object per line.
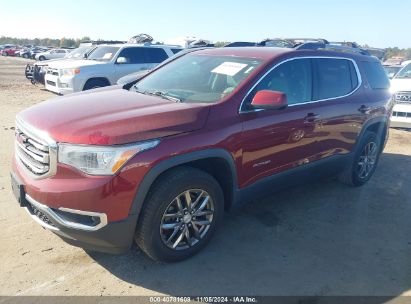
{"x":165,"y":96}
{"x":159,"y":94}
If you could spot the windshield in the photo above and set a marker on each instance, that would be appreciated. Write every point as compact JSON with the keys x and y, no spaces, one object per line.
{"x":103,"y":53}
{"x":78,"y":53}
{"x":197,"y":78}
{"x":405,"y":72}
{"x":391,"y":70}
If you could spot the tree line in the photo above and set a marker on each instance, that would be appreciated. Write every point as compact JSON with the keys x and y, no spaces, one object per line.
{"x":63,"y":42}
{"x":74,"y":42}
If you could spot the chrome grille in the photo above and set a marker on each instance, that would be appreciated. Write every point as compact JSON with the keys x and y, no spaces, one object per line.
{"x":33,"y":154}
{"x":35,"y":151}
{"x":403,"y":97}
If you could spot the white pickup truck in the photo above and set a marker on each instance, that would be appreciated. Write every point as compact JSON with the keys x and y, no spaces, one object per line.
{"x":401,"y":88}
{"x":104,"y":66}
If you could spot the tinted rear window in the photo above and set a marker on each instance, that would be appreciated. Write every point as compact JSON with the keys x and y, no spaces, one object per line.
{"x":155,"y":55}
{"x":175,"y":51}
{"x":335,"y":78}
{"x":376,"y":76}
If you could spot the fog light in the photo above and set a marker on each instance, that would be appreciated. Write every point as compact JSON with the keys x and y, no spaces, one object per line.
{"x":64,"y":85}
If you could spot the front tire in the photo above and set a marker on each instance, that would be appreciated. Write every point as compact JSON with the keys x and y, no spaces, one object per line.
{"x":25,"y":56}
{"x":42,"y":58}
{"x":364,"y":162}
{"x":180,"y":214}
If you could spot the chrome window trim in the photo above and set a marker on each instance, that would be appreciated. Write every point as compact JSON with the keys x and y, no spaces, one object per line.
{"x":73,"y":225}
{"x":357,"y":70}
{"x":41,"y":137}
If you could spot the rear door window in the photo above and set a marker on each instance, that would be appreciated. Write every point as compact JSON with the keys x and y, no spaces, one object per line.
{"x":334,"y":78}
{"x":155,"y":55}
{"x":175,"y":51}
{"x":376,"y":76}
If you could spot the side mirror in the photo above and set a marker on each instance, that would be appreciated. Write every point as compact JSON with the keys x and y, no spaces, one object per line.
{"x":121,"y":60}
{"x":270,"y":100}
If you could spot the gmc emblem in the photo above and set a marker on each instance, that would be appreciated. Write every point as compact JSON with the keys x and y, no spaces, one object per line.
{"x":402,"y":98}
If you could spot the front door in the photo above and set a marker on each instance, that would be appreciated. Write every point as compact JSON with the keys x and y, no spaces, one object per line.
{"x":277,"y":140}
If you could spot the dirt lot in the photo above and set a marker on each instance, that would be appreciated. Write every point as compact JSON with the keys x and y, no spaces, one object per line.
{"x":317,"y":239}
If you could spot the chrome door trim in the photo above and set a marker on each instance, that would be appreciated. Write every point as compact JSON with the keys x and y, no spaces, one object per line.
{"x":357,"y":70}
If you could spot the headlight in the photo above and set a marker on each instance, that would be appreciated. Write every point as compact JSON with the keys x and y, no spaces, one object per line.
{"x":69,"y":72}
{"x":100,"y":160}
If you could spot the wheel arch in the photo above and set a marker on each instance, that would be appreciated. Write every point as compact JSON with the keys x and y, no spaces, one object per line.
{"x":217,"y":162}
{"x":105,"y":79}
{"x":378,"y":125}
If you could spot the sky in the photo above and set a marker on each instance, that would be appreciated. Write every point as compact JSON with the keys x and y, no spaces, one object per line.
{"x":378,"y":23}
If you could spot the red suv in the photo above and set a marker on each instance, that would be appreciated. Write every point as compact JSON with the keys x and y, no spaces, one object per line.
{"x":160,"y":159}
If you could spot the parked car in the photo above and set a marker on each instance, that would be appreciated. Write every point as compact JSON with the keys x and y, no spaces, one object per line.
{"x":401,"y":88}
{"x":392,"y":70}
{"x":25,"y":53}
{"x":37,"y":49}
{"x":8,"y":50}
{"x":133,"y":77}
{"x":105,"y":65}
{"x":159,"y":161}
{"x":37,"y":71}
{"x":52,"y":54}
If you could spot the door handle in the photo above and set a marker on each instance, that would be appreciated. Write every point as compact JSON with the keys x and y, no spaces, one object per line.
{"x":311,"y":117}
{"x":364,"y":109}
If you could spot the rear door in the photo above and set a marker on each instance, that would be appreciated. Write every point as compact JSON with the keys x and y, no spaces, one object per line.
{"x":338,"y":96}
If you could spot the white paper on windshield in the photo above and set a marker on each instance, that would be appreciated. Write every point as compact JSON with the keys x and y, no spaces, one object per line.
{"x":107,"y":55}
{"x":229,"y":68}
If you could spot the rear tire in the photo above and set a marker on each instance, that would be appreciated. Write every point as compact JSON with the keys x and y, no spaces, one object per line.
{"x":365,"y":160}
{"x":170,"y":228}
{"x":25,"y":56}
{"x":94,"y":84}
{"x":5,"y":54}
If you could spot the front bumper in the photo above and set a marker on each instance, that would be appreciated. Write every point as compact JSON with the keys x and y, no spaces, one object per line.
{"x":61,"y":85}
{"x":114,"y":237}
{"x":69,"y":202}
{"x":401,"y":116}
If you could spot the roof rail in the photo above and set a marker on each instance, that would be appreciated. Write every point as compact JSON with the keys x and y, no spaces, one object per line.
{"x":289,"y":42}
{"x":97,"y":42}
{"x":349,"y":47}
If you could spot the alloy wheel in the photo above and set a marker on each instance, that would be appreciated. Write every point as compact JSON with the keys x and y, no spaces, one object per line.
{"x":367,"y":160}
{"x":187,"y":219}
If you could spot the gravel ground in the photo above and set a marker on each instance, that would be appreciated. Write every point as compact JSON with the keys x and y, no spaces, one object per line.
{"x":318,"y":239}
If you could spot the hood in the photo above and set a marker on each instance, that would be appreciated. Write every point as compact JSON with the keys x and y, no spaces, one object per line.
{"x":73,"y":63}
{"x":400,"y":84}
{"x":112,"y":115}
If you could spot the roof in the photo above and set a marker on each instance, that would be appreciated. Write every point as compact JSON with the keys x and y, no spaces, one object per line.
{"x":122,"y":45}
{"x":263,"y":53}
